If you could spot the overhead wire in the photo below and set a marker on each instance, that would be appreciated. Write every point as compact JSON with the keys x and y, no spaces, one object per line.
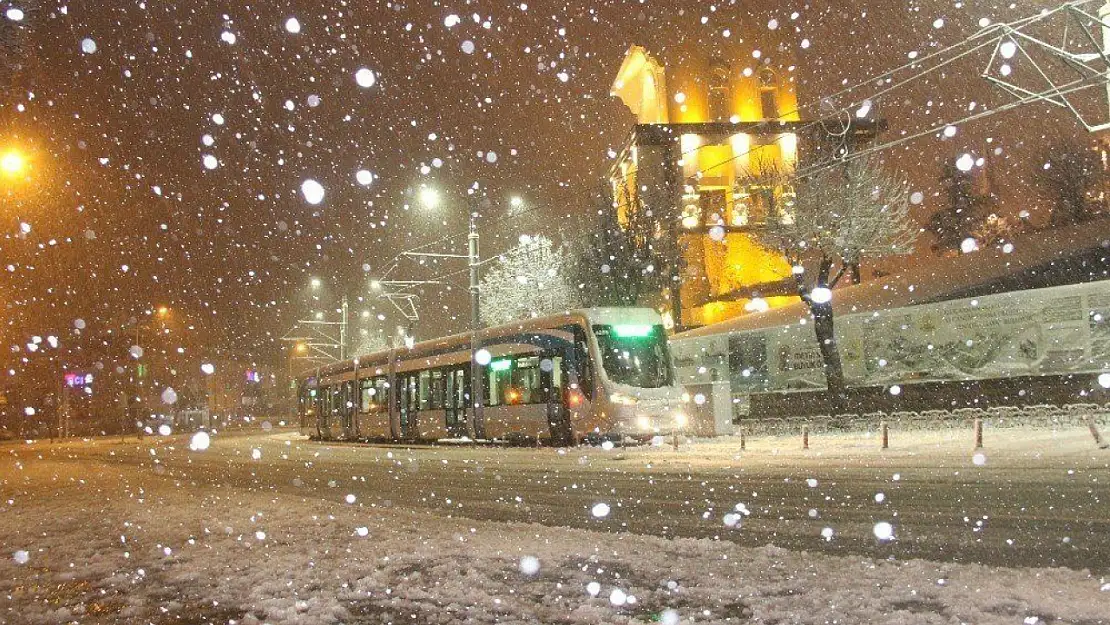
{"x":992,"y":34}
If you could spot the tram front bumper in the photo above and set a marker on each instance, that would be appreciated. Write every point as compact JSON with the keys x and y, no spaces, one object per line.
{"x":646,"y":420}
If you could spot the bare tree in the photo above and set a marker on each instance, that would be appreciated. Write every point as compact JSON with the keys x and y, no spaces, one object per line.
{"x":15,"y":27}
{"x":842,"y":213}
{"x":607,"y":268}
{"x":527,"y":281}
{"x":1072,"y":177}
{"x":964,"y":213}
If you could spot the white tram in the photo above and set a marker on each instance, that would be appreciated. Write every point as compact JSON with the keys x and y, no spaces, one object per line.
{"x":591,"y":374}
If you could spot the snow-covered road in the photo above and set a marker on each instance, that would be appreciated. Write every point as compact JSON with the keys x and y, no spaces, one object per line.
{"x":271,"y":528}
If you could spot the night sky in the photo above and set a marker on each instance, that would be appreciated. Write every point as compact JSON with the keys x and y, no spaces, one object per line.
{"x":116,"y":101}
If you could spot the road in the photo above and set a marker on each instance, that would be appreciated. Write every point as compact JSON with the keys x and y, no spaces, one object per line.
{"x":1035,"y":498}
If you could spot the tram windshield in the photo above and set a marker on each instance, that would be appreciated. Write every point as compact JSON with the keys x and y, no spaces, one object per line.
{"x":635,"y":355}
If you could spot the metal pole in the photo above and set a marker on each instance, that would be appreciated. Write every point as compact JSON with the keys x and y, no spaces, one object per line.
{"x":343,"y":332}
{"x":476,"y":382}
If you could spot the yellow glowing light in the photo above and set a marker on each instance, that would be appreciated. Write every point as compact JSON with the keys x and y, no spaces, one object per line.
{"x":301,"y":348}
{"x":429,"y":197}
{"x":12,"y":162}
{"x":163,"y":311}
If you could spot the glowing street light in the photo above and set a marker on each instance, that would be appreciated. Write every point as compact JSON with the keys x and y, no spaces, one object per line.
{"x":12,"y":162}
{"x":316,"y":283}
{"x":301,"y":348}
{"x":516,"y":201}
{"x":429,"y":197}
{"x":163,"y":311}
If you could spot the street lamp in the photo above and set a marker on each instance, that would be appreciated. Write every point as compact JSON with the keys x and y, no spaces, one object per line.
{"x":516,"y":201}
{"x":12,"y":162}
{"x":429,"y":197}
{"x":316,"y":283}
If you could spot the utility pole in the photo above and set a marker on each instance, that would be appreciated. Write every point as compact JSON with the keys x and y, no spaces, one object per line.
{"x":343,"y":331}
{"x":403,"y":301}
{"x":476,"y":382}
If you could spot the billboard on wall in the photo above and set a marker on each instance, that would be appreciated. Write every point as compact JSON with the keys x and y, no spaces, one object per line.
{"x":1057,"y":330}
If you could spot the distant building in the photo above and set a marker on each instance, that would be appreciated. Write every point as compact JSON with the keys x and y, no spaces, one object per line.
{"x":709,"y":120}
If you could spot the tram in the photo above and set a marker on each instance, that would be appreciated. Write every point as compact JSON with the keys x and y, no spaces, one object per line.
{"x":585,"y":375}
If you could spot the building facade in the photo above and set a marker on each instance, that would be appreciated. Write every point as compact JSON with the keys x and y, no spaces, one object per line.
{"x":713,"y":129}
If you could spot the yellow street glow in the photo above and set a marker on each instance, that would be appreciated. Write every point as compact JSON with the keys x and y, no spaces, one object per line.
{"x":12,"y":162}
{"x":429,"y":197}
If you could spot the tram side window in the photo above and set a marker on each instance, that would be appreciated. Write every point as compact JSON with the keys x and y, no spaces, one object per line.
{"x":525,"y":381}
{"x":350,"y":396}
{"x":425,"y":390}
{"x":411,"y":394}
{"x":498,"y":381}
{"x":366,"y":394}
{"x":438,"y":387}
{"x":337,"y":399}
{"x":456,"y":394}
{"x":513,"y":381}
{"x":381,"y":393}
{"x":556,"y":372}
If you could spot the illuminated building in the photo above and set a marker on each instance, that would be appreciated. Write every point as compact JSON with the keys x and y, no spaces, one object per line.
{"x":709,"y":121}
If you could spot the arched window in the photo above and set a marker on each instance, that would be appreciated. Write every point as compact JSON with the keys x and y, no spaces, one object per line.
{"x":768,"y":84}
{"x":719,"y":93}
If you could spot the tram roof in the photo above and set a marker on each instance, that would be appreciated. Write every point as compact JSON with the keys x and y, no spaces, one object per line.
{"x":1070,"y":255}
{"x":599,"y":315}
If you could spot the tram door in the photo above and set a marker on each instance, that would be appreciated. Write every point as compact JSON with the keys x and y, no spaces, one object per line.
{"x":552,"y":383}
{"x":455,"y":403}
{"x":407,"y":400}
{"x":350,"y":409}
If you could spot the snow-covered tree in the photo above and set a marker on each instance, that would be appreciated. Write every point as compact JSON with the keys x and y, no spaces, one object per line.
{"x":529,"y":280}
{"x":841,"y":213}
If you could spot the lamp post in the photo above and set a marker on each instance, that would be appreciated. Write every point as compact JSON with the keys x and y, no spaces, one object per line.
{"x":430,"y":198}
{"x":477,"y":384}
{"x":317,"y":340}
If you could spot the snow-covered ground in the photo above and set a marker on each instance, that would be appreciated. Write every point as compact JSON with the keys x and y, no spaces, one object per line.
{"x":90,"y":540}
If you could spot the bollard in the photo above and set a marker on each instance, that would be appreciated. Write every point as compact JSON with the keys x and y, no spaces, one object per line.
{"x":1102,"y":444}
{"x":978,"y":434}
{"x":743,"y":442}
{"x":886,"y":435}
{"x":805,"y":437}
{"x":675,"y":434}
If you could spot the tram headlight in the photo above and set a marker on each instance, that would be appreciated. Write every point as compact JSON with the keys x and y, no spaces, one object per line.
{"x":644,"y":423}
{"x":680,"y":419}
{"x":623,"y":400}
